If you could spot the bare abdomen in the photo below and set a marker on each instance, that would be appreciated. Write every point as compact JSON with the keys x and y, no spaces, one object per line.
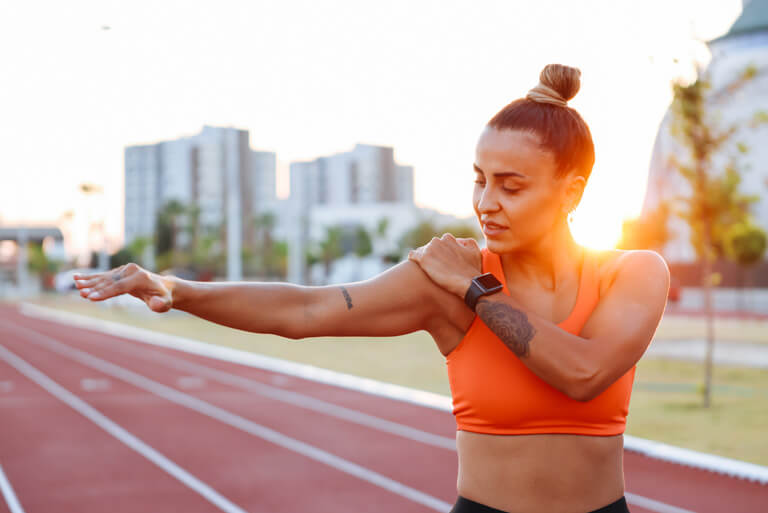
{"x":557,"y":473}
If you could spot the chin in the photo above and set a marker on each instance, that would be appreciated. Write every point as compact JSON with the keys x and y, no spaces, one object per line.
{"x":496,"y":245}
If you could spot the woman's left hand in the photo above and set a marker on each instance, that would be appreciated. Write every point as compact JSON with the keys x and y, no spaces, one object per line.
{"x":450,"y":262}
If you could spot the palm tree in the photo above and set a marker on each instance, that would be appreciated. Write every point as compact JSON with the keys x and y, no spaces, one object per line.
{"x":137,"y":247}
{"x":264,"y":225}
{"x":363,"y":245}
{"x":168,"y":228}
{"x":330,"y":247}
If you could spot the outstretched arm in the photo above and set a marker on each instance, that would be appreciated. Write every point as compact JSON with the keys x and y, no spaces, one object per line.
{"x":400,"y":300}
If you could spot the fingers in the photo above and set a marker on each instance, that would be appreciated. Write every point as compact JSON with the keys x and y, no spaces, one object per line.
{"x":90,"y":280}
{"x":416,"y":254}
{"x":468,"y":242}
{"x":110,"y":287}
{"x":87,"y":278}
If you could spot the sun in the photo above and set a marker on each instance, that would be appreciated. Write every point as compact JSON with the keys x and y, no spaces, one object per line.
{"x":596,"y":230}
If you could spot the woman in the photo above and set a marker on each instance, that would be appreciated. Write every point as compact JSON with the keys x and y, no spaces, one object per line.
{"x":541,"y":335}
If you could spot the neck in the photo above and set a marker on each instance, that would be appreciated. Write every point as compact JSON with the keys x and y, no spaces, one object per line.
{"x":551,"y":261}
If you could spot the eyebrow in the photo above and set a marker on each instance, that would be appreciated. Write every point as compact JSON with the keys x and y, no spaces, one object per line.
{"x":501,"y":173}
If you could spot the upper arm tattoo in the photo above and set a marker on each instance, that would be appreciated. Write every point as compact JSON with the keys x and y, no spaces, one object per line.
{"x":347,"y":297}
{"x":509,"y":324}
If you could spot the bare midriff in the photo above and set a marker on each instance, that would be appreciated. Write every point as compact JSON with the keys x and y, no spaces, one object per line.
{"x":556,"y":473}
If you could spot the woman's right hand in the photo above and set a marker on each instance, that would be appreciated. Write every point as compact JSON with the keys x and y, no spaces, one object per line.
{"x":155,"y":290}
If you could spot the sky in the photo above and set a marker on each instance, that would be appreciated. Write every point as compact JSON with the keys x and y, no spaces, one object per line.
{"x":83,"y":79}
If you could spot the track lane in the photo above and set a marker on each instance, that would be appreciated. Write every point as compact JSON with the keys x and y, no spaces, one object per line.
{"x":61,"y":461}
{"x":177,"y":431}
{"x":427,"y":468}
{"x":651,"y":479}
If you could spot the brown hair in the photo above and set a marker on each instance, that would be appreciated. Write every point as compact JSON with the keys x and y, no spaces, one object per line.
{"x":544,"y":112}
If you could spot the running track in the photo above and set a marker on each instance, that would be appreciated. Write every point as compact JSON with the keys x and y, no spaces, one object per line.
{"x":91,"y":422}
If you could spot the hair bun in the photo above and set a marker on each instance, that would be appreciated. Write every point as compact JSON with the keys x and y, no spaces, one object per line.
{"x":557,"y":84}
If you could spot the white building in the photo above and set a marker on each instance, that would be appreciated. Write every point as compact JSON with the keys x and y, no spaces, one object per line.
{"x":215,"y":170}
{"x":350,"y":189}
{"x":366,"y":174}
{"x":142,"y":190}
{"x":745,"y":44}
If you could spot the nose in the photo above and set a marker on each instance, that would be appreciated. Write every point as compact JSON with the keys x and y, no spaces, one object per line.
{"x":487,"y":201}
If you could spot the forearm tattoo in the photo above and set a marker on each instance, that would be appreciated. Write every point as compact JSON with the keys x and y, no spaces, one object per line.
{"x":509,"y":324}
{"x":347,"y":297}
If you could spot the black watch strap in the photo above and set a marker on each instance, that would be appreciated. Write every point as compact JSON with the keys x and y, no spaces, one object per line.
{"x":481,"y":285}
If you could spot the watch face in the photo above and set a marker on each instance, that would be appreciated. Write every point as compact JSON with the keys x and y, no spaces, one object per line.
{"x":488,"y":281}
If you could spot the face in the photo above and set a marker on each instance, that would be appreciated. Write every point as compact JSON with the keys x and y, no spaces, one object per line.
{"x":515,"y":186}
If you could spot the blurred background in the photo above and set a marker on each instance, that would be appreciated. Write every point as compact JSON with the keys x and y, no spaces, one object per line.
{"x":317,"y":142}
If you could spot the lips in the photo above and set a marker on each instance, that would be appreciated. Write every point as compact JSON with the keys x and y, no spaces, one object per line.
{"x":494,"y":225}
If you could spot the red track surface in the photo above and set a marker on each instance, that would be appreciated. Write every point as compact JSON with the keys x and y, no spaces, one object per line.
{"x":58,"y":460}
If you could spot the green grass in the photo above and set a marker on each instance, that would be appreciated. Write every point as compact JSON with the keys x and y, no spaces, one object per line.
{"x":666,"y":398}
{"x":666,"y":405}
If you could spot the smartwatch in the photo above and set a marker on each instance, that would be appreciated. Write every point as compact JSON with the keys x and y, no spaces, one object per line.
{"x":481,"y":285}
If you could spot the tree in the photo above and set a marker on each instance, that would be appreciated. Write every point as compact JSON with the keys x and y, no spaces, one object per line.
{"x":648,"y":232}
{"x":264,"y":224}
{"x":137,"y":248}
{"x":330,"y":247}
{"x":745,"y":245}
{"x":460,"y":230}
{"x":193,"y":226}
{"x":168,"y":229}
{"x":37,"y":260}
{"x":122,"y":256}
{"x":363,"y":245}
{"x":714,"y":203}
{"x":418,"y":236}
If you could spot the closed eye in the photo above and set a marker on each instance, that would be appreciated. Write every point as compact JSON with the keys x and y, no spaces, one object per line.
{"x":509,"y":191}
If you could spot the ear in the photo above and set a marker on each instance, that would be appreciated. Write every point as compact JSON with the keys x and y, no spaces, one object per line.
{"x":574,"y":188}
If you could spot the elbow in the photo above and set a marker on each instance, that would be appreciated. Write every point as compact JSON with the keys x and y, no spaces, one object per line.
{"x":292,"y":332}
{"x":302,"y":319}
{"x":582,"y":395}
{"x":583,"y":388}
{"x":292,"y":336}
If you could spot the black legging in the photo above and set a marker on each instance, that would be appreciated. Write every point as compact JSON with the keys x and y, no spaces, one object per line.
{"x":464,"y":505}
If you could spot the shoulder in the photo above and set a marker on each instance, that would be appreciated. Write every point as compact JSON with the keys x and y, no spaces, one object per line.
{"x":633,"y":264}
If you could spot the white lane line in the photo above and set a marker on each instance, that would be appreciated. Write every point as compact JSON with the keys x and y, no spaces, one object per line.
{"x":294,"y":398}
{"x":661,"y":507}
{"x":95,"y":384}
{"x":235,"y":421}
{"x":8,"y":494}
{"x":190,"y":382}
{"x":118,"y":432}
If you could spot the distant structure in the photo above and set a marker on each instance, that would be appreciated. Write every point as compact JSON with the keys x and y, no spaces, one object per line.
{"x":746,"y":43}
{"x":357,"y":188}
{"x":366,"y":174}
{"x":215,"y":170}
{"x":16,"y":271}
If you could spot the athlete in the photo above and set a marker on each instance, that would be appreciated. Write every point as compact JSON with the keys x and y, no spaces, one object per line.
{"x":541,"y":335}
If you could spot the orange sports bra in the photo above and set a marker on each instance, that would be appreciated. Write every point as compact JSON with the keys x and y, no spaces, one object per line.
{"x":494,"y":392}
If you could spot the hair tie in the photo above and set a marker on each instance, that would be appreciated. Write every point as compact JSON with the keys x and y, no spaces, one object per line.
{"x":544,"y":94}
